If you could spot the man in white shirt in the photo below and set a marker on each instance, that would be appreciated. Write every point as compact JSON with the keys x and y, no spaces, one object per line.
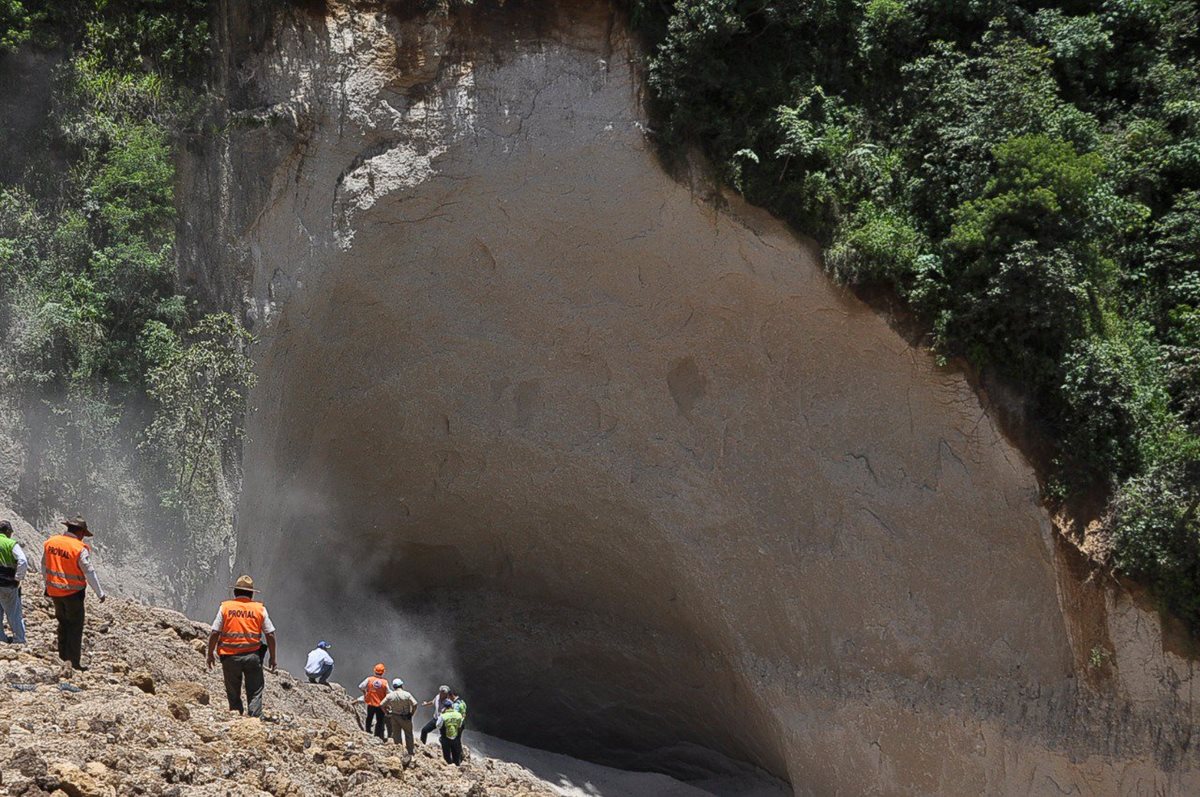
{"x":319,"y":666}
{"x":439,"y":702}
{"x":13,"y":567}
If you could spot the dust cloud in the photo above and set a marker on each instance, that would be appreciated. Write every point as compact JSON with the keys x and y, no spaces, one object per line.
{"x":328,"y":590}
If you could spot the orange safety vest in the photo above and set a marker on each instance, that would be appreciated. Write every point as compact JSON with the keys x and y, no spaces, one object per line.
{"x":63,"y":574}
{"x":376,"y":691}
{"x":241,"y":627}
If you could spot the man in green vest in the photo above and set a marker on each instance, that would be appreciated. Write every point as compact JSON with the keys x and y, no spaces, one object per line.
{"x":450,"y":723}
{"x":460,"y":706}
{"x":13,"y":567}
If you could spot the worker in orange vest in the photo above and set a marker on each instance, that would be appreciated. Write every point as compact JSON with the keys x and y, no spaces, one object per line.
{"x":67,"y":571}
{"x":236,"y":637}
{"x":374,"y":689}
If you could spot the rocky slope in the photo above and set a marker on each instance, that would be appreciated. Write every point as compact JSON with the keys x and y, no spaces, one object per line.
{"x":147,"y":718}
{"x":616,"y":442}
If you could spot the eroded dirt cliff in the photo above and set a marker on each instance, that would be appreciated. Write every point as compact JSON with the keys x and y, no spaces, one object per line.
{"x":619,"y":441}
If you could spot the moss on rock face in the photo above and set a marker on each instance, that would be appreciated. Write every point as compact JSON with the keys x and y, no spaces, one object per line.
{"x":1022,"y":173}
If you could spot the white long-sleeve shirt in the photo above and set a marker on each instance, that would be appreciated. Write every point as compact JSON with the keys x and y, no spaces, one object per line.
{"x":85,"y":564}
{"x":317,"y":659}
{"x":89,"y":572}
{"x":22,"y":561}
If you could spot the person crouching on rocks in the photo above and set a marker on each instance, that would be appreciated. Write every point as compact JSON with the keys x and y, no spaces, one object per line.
{"x":450,"y":724}
{"x":399,"y":706}
{"x":374,"y":689}
{"x":236,"y":637}
{"x":319,"y":666}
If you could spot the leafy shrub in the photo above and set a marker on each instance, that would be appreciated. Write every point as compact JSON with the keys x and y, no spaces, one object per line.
{"x":15,"y":25}
{"x":875,"y":245}
{"x":1156,"y":527}
{"x":1042,"y":190}
{"x":1114,"y":405}
{"x":200,"y":388}
{"x":1022,"y":312}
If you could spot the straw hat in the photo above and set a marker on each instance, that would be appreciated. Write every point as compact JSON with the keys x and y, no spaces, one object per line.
{"x":77,"y":523}
{"x":246,"y":583}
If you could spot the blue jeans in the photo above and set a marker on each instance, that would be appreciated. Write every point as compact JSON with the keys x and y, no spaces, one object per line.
{"x":323,"y":676}
{"x":10,"y":607}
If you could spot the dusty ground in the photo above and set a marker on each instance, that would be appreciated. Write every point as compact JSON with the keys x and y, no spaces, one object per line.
{"x":147,"y":718}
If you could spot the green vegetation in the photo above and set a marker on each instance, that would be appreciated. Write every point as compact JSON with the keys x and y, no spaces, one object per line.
{"x":1024,"y":173}
{"x":99,"y":353}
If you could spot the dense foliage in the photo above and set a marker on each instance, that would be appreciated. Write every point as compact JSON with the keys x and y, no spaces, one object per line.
{"x":1024,"y":173}
{"x":99,"y":352}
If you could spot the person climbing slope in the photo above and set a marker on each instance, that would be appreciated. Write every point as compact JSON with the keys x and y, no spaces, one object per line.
{"x":399,"y":706}
{"x":449,"y":722}
{"x":374,"y":689}
{"x":13,"y":567}
{"x":439,"y":701}
{"x":67,"y":571}
{"x":236,"y":637}
{"x":319,"y":666}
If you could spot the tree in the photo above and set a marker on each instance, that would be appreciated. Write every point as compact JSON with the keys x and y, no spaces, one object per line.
{"x":200,"y":388}
{"x":1043,"y":190}
{"x":15,"y":25}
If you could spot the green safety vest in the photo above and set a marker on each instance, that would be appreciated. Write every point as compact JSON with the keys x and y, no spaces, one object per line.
{"x":6,"y":551}
{"x":451,"y":723}
{"x":8,"y":562}
{"x":460,"y":706}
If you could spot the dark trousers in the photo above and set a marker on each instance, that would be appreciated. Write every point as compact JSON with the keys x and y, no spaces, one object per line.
{"x":428,"y":729}
{"x":376,"y":713}
{"x":69,"y":613}
{"x":248,"y":666}
{"x":452,"y":749}
{"x":323,"y":676}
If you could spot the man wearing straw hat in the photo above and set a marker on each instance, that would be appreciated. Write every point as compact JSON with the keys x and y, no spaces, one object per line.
{"x":68,"y":572}
{"x":236,"y":637}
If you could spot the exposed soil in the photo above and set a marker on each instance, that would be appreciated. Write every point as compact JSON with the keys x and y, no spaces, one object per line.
{"x":148,"y":718}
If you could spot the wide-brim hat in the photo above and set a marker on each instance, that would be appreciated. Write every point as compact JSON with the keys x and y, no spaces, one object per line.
{"x":79,"y":524}
{"x":246,"y":583}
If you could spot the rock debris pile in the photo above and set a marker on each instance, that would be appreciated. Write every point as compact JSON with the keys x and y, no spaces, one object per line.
{"x":148,"y":718}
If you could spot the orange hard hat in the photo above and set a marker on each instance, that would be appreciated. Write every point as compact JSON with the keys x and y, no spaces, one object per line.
{"x":380,"y":669}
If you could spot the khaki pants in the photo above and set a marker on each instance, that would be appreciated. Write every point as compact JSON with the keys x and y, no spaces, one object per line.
{"x":403,"y":725}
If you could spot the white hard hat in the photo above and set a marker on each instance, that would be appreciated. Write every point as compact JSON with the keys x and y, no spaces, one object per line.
{"x":397,"y":683}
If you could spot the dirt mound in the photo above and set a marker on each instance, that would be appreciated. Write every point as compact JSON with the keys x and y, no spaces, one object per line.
{"x":148,"y":718}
